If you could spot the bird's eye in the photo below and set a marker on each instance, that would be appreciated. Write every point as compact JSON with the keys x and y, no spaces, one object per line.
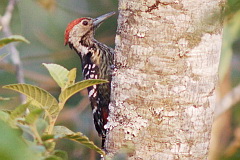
{"x":85,"y":23}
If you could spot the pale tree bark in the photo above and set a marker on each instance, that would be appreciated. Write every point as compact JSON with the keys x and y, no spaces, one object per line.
{"x":163,"y":89}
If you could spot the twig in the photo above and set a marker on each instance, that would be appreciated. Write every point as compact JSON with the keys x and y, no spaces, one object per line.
{"x":5,"y":22}
{"x":228,"y":101}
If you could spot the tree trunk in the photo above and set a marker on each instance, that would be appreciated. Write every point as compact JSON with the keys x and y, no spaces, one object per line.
{"x":163,"y":89}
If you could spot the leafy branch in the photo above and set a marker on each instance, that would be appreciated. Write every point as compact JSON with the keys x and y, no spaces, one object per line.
{"x":44,"y":110}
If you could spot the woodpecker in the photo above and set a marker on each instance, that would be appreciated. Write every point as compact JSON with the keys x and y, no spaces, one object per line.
{"x":97,"y":61}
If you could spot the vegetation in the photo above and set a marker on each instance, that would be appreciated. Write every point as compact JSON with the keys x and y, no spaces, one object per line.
{"x":37,"y":128}
{"x":39,"y":124}
{"x":33,"y":124}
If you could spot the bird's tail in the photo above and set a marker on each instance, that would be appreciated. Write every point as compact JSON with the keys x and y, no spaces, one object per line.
{"x":103,"y":142}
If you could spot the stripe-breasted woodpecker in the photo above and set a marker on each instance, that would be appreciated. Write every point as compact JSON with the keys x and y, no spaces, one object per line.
{"x":97,"y":60}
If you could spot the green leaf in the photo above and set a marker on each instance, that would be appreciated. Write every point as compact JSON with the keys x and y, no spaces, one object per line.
{"x":35,"y":148}
{"x":50,"y":145}
{"x":58,"y":73}
{"x":80,"y":138}
{"x":33,"y":104}
{"x":45,"y":99}
{"x":12,"y":146}
{"x":4,"y":116}
{"x":63,"y":132}
{"x":71,"y":77}
{"x":3,"y":56}
{"x":47,"y":137}
{"x":32,"y":117}
{"x":68,"y":92}
{"x":13,"y":38}
{"x":53,"y":157}
{"x":41,"y":126}
{"x":17,"y":112}
{"x":61,"y":154}
{"x":27,"y":132}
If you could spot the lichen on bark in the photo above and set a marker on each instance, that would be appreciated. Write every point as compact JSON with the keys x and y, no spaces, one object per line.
{"x":163,"y":90}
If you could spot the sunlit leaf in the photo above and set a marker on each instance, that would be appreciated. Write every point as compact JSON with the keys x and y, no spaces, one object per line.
{"x":71,"y":77}
{"x":45,"y":99}
{"x":63,"y":132}
{"x":58,"y":73}
{"x":68,"y":92}
{"x":33,"y":104}
{"x":13,"y":38}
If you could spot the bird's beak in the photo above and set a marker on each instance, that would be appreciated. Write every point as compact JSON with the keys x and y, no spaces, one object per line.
{"x":97,"y":21}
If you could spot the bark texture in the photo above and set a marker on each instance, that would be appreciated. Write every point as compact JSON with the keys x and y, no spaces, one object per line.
{"x":163,"y":90}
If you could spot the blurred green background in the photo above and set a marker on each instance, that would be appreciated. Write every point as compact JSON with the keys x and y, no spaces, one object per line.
{"x":43,"y":23}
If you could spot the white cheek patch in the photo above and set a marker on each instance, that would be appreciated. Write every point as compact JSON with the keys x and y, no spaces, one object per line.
{"x":81,"y":49}
{"x":84,"y":50}
{"x":74,"y":37}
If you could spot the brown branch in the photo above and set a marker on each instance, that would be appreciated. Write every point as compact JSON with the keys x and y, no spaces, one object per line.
{"x":5,"y":22}
{"x":234,"y":146}
{"x":228,"y":101}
